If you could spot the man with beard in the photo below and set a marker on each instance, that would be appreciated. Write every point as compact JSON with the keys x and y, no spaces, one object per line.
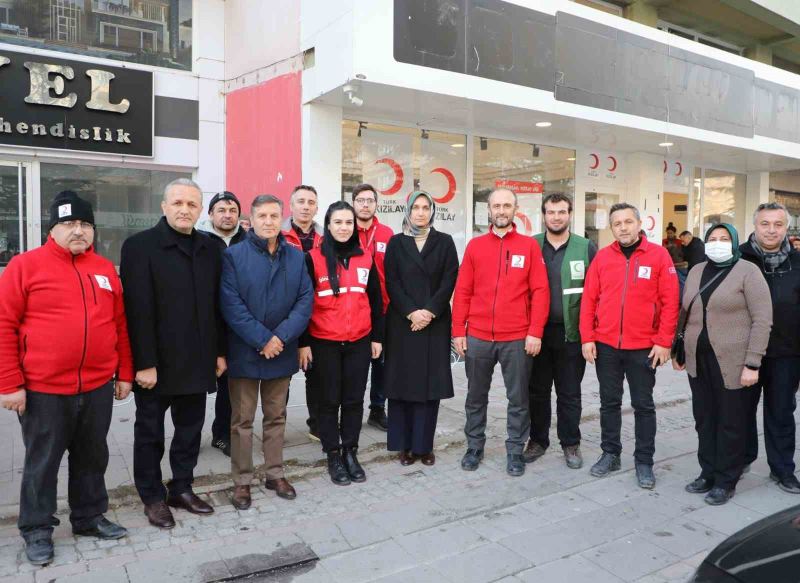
{"x":373,"y":237}
{"x":224,"y":229}
{"x":567,"y":257}
{"x":769,"y":248}
{"x":500,"y":318}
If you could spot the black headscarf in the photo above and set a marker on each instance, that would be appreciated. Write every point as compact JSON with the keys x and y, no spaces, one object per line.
{"x":336,"y":252}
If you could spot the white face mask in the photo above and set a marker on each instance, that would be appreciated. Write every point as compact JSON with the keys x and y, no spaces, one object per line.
{"x":719,"y":251}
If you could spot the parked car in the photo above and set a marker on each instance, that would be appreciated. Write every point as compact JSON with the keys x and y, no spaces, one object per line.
{"x":767,"y":551}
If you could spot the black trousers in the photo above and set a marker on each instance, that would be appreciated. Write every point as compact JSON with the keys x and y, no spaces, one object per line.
{"x":340,"y":375}
{"x":412,"y":426}
{"x":188,"y":414}
{"x":312,"y":400}
{"x":721,"y":418}
{"x":614,"y":365}
{"x":778,"y":378}
{"x":562,"y":363}
{"x":221,"y":428}
{"x":376,"y":398}
{"x":51,"y":426}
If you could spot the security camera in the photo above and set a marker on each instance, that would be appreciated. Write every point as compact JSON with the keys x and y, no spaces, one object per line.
{"x":357,"y":101}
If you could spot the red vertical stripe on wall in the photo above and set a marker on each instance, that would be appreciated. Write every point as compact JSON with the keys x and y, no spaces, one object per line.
{"x":263,"y":130}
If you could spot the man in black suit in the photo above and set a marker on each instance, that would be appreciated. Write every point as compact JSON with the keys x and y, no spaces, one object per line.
{"x":170,"y":275}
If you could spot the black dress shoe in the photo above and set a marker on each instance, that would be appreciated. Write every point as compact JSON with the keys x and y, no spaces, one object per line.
{"x":699,"y":486}
{"x":354,"y":469}
{"x":718,"y":496}
{"x":607,"y":463}
{"x":191,"y":503}
{"x":645,"y":476}
{"x":533,"y":451}
{"x":103,"y":529}
{"x":471,"y":460}
{"x":39,"y":551}
{"x":336,"y":469}
{"x":787,"y":484}
{"x":224,"y":445}
{"x":159,"y":515}
{"x":515,"y":465}
{"x":377,"y":419}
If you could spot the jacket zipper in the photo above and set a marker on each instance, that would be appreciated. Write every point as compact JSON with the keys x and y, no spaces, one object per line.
{"x":622,"y":307}
{"x":85,"y":325}
{"x":497,"y":284}
{"x":94,"y":292}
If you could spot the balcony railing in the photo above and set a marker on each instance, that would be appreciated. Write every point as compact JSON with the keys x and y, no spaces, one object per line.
{"x":152,"y":11}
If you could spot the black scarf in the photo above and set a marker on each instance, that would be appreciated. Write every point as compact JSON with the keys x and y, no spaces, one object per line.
{"x":336,"y":252}
{"x":772,"y":261}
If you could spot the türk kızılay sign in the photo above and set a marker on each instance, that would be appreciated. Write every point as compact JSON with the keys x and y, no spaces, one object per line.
{"x":75,"y":105}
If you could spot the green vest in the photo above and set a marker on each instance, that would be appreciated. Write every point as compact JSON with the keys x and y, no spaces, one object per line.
{"x":573,"y":273}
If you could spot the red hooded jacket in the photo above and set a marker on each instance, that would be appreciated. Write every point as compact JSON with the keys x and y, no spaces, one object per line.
{"x":62,"y":323}
{"x":502,"y":292}
{"x":374,"y":241}
{"x":631,"y":303}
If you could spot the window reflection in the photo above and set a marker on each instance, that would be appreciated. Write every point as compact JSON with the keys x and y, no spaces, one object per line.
{"x":152,"y":32}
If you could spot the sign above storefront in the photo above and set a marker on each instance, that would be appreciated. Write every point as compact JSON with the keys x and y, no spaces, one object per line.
{"x":75,"y":105}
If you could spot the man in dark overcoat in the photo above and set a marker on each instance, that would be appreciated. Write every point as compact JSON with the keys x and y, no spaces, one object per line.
{"x":170,"y":275}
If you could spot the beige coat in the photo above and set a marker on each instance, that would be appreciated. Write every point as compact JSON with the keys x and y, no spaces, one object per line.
{"x":739,"y":320}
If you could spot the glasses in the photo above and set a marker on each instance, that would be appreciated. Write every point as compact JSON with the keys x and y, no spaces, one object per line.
{"x":364,"y":201}
{"x":82,"y":224}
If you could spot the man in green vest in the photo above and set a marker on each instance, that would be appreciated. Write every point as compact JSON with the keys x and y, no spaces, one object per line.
{"x":567,"y":257}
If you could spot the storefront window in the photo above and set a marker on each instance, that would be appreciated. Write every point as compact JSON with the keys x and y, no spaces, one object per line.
{"x":152,"y":32}
{"x":530,"y":170}
{"x":397,"y":161}
{"x":785,"y":189}
{"x":723,"y":193}
{"x":598,"y":225}
{"x":12,"y":205}
{"x":125,"y":200}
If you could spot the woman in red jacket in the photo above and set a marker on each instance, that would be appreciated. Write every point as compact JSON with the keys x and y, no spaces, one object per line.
{"x":344,"y":334}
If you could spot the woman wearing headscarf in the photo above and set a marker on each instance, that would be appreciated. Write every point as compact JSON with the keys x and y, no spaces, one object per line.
{"x":727,"y":322}
{"x":344,"y":334}
{"x":421,"y":269}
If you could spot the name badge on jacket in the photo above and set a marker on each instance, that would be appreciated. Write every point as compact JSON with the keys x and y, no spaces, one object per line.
{"x":518,"y":261}
{"x":103,"y":282}
{"x":644,"y":271}
{"x":363,"y":275}
{"x":577,"y":269}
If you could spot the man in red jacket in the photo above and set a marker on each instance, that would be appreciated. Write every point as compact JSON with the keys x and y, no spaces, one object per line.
{"x":500,"y":307}
{"x":628,"y":317}
{"x":63,"y":336}
{"x":373,"y":237}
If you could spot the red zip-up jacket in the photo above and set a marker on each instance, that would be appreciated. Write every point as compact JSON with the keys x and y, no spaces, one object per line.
{"x":502,"y":292}
{"x":631,"y":303}
{"x":62,"y":323}
{"x":374,"y":241}
{"x":294,"y":240}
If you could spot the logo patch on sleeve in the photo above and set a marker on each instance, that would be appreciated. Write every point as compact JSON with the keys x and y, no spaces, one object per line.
{"x":103,"y":282}
{"x":518,"y":261}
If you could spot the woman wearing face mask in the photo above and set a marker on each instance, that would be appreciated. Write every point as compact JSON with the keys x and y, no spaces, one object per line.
{"x":345,"y":332}
{"x":421,"y":270}
{"x":728,"y":317}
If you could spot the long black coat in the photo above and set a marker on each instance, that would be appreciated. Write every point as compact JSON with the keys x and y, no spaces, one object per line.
{"x":418,"y":363}
{"x":172,"y":305}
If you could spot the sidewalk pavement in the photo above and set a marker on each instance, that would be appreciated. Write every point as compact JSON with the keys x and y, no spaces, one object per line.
{"x":414,"y":523}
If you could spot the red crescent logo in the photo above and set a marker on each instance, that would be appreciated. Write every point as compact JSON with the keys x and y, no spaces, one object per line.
{"x":526,"y":222}
{"x":614,"y":167}
{"x":398,"y":173}
{"x":680,"y":168}
{"x":451,"y":186}
{"x":651,"y":220}
{"x":665,"y":166}
{"x":596,"y":161}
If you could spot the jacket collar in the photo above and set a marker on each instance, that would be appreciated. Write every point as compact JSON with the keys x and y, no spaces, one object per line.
{"x":261,"y":244}
{"x":375,"y":223}
{"x":510,"y":233}
{"x":206,"y":226}
{"x":287,"y":226}
{"x":643,"y":246}
{"x":169,"y":237}
{"x":64,"y":254}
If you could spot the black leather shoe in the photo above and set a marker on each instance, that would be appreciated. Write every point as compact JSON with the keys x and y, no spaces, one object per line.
{"x":533,"y":451}
{"x":336,"y":469}
{"x":607,"y":463}
{"x":515,"y":465}
{"x":645,"y":476}
{"x":104,"y":529}
{"x":377,"y":419}
{"x":354,"y":469}
{"x":718,"y":496}
{"x":190,"y":502}
{"x":224,"y":445}
{"x":787,"y":484}
{"x":573,"y":457}
{"x":471,"y":460}
{"x":39,"y":551}
{"x":699,"y":486}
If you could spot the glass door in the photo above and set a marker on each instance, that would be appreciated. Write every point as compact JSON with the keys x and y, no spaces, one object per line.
{"x":598,"y":228}
{"x":14,"y":199}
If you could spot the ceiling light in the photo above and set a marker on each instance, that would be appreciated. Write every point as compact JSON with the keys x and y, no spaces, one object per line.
{"x":571,"y":159}
{"x":456,"y":145}
{"x":543,"y":124}
{"x":666,"y":144}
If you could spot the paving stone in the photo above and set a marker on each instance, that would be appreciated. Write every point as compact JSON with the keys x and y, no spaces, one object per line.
{"x":727,"y":519}
{"x":176,"y":568}
{"x":485,"y":563}
{"x":104,"y":575}
{"x":683,"y":537}
{"x":441,"y":541}
{"x":47,"y":574}
{"x":369,"y":563}
{"x":573,"y":569}
{"x":630,"y":558}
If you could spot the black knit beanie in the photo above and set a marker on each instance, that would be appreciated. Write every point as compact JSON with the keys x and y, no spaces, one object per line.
{"x":68,"y":206}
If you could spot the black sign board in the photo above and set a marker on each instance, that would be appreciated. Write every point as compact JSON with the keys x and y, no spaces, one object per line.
{"x":75,"y":105}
